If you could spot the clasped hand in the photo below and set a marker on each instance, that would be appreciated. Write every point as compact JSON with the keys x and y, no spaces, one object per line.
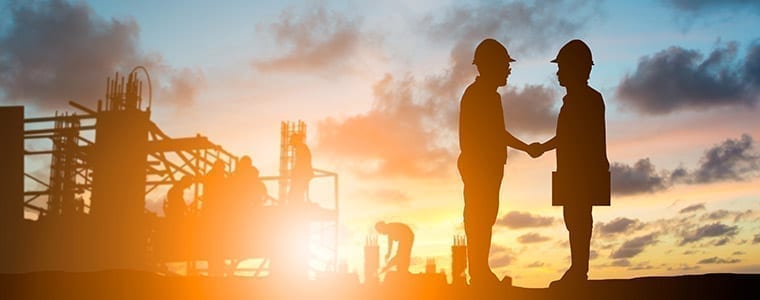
{"x":535,"y":150}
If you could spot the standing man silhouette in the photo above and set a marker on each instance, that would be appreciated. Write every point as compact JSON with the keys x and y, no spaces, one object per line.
{"x":483,"y":142}
{"x":582,"y":176}
{"x":302,"y":172}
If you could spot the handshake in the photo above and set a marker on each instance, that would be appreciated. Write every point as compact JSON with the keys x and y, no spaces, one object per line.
{"x":535,"y":150}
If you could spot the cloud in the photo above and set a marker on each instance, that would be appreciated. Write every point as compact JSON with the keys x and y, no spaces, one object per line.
{"x":734,"y":159}
{"x":56,"y":51}
{"x":519,"y":220}
{"x":501,"y":256}
{"x":388,"y":196}
{"x":712,"y":230}
{"x":683,"y":267}
{"x":621,"y":263}
{"x":526,"y":27}
{"x":183,"y":87}
{"x":593,"y":254}
{"x":722,"y":241}
{"x":618,"y":225}
{"x":394,"y":138}
{"x":716,"y":260}
{"x":756,"y":240}
{"x":315,"y":39}
{"x":709,"y":6}
{"x":715,"y":215}
{"x":634,"y":246}
{"x":532,"y":237}
{"x":535,"y":264}
{"x":738,"y":253}
{"x":692,"y":208}
{"x":641,"y":266}
{"x":723,"y":214}
{"x":636,"y":179}
{"x":693,"y":82}
{"x":532,"y":109}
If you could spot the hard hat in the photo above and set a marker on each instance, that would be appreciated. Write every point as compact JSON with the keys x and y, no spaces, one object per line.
{"x":490,"y":50}
{"x":575,"y":51}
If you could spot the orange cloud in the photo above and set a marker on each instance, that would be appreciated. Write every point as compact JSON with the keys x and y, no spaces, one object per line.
{"x":400,"y":136}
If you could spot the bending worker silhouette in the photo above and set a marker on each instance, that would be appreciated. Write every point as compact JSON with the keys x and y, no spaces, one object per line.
{"x":483,"y":142}
{"x":403,"y":235}
{"x":582,"y":178}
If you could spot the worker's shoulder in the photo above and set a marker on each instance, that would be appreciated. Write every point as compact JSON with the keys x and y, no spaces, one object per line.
{"x":592,"y":97}
{"x":593,"y":93}
{"x":477,"y":90}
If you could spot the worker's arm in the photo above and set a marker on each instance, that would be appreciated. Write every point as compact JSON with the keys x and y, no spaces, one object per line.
{"x":390,"y":248}
{"x":549,"y":145}
{"x":514,"y":142}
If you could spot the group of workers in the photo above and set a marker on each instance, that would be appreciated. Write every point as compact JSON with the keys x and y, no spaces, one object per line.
{"x":243,"y":190}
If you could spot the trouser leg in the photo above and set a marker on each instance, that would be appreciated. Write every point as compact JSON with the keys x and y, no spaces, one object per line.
{"x":578,"y":221}
{"x":481,"y":197}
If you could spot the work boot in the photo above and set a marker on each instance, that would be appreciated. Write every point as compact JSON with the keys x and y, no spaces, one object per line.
{"x":486,"y":280}
{"x":571,"y":278}
{"x":506,"y":281}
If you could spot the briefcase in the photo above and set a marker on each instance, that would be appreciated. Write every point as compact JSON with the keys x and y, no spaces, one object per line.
{"x":590,"y":188}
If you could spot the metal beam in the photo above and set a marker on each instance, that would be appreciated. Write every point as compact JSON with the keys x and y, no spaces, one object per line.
{"x":52,"y":119}
{"x":55,"y":130}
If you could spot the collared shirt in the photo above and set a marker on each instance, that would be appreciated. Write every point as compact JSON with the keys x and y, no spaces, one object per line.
{"x":482,"y":132}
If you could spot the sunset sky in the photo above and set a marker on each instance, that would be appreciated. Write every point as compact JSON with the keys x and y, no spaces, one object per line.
{"x":379,"y":85}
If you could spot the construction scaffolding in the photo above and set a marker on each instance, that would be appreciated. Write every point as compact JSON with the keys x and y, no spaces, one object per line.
{"x":87,"y":209}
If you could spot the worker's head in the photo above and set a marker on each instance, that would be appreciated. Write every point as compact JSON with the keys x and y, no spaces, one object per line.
{"x":381,"y":226}
{"x":245,"y":162}
{"x":573,"y":63}
{"x":219,"y":165}
{"x":492,"y":61}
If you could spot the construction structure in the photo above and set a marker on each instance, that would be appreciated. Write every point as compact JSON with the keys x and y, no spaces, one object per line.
{"x":86,"y":210}
{"x":371,"y":259}
{"x":458,"y":260}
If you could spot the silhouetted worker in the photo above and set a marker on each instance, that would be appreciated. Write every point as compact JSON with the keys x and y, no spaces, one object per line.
{"x":214,"y":202}
{"x":483,"y":141}
{"x":403,"y":235}
{"x":302,"y":171}
{"x":582,"y":176}
{"x":213,"y":190}
{"x":259,"y":194}
{"x":248,"y":191}
{"x":175,"y":207}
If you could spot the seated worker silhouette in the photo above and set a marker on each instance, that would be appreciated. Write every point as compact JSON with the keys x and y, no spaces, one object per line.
{"x":582,"y":178}
{"x":248,"y":190}
{"x":483,"y":142}
{"x":214,"y":190}
{"x":175,"y":207}
{"x":302,"y":170}
{"x":403,"y":235}
{"x":215,"y":199}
